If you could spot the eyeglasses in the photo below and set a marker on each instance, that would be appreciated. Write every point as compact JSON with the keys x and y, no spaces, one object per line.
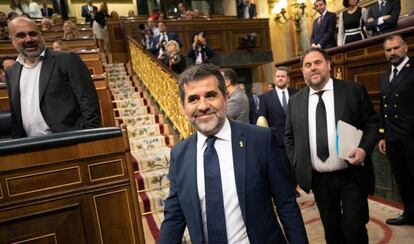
{"x":22,"y":35}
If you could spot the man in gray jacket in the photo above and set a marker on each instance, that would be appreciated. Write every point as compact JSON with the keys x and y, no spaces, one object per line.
{"x":237,"y":101}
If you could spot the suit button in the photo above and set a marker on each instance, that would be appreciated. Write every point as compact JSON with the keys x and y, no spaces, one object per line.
{"x":385,"y":105}
{"x":396,"y":94}
{"x":396,"y":116}
{"x":384,"y":97}
{"x":395,"y":105}
{"x":386,"y":116}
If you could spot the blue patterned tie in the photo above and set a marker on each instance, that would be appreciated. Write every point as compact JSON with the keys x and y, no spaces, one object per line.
{"x":284,"y":103}
{"x":216,"y":220}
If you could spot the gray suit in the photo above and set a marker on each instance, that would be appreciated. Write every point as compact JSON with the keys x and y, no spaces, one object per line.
{"x":238,"y":106}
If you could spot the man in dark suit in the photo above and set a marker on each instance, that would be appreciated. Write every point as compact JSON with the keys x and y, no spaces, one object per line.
{"x":397,"y":122}
{"x":340,"y":186}
{"x":273,"y":106}
{"x":158,"y":46}
{"x":246,"y":10}
{"x":49,"y":91}
{"x":254,"y":104}
{"x":223,"y":178}
{"x":383,"y":17}
{"x":323,"y":30}
{"x":88,"y":11}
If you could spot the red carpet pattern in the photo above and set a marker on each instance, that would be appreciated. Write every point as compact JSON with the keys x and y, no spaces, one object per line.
{"x":151,"y":140}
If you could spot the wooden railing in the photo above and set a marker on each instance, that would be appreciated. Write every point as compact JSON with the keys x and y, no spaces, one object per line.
{"x":161,"y":84}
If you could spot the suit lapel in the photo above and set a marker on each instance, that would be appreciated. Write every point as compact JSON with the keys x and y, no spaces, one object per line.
{"x":45,"y":72}
{"x":239,"y":161}
{"x":15,"y":88}
{"x":191,"y":158}
{"x":277,"y":101}
{"x":303,"y":113}
{"x":400,"y":77}
{"x":339,"y":99}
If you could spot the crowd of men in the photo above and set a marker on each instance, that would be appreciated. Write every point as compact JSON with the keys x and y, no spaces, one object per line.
{"x":225,"y":178}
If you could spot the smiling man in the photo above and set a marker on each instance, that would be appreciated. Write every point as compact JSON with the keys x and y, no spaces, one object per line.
{"x":340,"y":187}
{"x":224,"y":177}
{"x":49,"y":91}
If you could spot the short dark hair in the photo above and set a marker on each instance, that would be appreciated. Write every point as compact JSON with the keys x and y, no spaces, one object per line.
{"x":199,"y":72}
{"x":324,"y":1}
{"x":230,"y":74}
{"x":346,"y":3}
{"x":272,"y":84}
{"x":393,"y":36}
{"x":283,"y":68}
{"x":315,"y":49}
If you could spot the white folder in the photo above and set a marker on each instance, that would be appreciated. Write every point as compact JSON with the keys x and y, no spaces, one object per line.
{"x":348,"y":139}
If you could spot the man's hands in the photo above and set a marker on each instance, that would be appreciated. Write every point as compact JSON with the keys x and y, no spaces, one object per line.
{"x":382,"y":146}
{"x":357,"y":157}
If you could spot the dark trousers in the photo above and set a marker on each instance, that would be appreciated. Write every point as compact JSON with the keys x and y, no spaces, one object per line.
{"x":343,"y":206}
{"x":401,"y":156}
{"x":281,"y":151}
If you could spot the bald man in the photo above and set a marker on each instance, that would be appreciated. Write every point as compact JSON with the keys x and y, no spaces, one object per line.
{"x":49,"y":91}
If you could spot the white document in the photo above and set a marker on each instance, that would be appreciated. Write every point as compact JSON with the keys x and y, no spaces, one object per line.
{"x":348,"y":139}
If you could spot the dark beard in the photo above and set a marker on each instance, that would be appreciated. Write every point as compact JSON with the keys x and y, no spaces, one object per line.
{"x":396,"y":60}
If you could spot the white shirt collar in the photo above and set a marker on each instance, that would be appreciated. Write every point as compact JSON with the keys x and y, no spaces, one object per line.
{"x":324,"y":12}
{"x":223,"y":134}
{"x":401,"y":65}
{"x":22,"y":60}
{"x":328,"y":86}
{"x":279,"y":89}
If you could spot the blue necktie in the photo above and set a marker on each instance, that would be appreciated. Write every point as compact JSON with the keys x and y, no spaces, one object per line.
{"x":216,"y":220}
{"x":284,"y":103}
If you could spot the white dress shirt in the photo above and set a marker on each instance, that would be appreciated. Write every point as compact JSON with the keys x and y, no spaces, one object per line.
{"x":333,"y":163}
{"x":280,"y":95}
{"x":32,"y":9}
{"x":33,"y":122}
{"x":236,"y":229}
{"x":399,"y":68}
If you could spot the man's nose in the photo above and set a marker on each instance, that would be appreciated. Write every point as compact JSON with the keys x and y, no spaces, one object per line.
{"x":203,"y":105}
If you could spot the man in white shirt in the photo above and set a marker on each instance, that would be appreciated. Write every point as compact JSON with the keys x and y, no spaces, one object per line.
{"x":48,"y":91}
{"x":340,"y":187}
{"x":223,"y":178}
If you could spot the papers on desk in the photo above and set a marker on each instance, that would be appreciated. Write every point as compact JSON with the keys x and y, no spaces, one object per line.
{"x":348,"y":139}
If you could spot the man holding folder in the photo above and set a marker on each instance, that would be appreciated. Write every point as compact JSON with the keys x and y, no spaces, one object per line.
{"x":341,"y":187}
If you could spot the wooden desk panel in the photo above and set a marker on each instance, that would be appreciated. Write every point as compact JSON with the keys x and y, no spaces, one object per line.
{"x":59,"y":202}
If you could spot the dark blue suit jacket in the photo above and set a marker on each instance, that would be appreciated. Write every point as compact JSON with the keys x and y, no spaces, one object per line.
{"x":393,"y":8}
{"x":272,"y":110}
{"x":259,"y":178}
{"x":324,"y":33}
{"x":86,"y":14}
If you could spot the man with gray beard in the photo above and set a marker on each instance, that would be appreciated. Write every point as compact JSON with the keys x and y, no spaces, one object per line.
{"x":397,"y":122}
{"x":225,"y":177}
{"x":49,"y":91}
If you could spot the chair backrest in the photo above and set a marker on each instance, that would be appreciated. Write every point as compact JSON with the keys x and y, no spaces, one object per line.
{"x":5,"y":123}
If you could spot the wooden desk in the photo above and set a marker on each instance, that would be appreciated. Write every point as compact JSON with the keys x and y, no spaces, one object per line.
{"x":78,"y":188}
